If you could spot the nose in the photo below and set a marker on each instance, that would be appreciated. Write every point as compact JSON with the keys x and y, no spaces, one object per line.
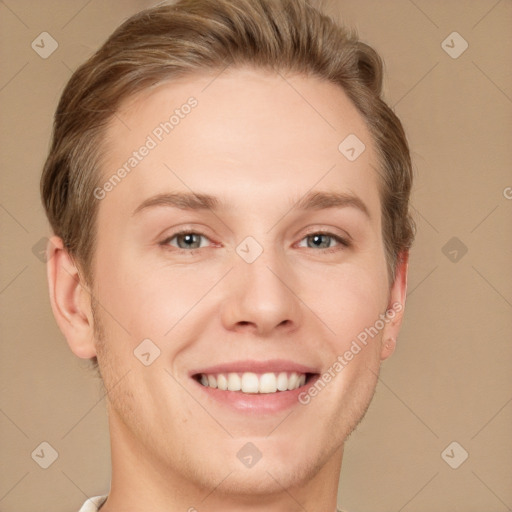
{"x":261,"y":297}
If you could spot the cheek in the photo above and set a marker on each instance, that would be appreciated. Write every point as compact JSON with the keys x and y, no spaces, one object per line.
{"x":148,"y":298}
{"x":349,"y":301}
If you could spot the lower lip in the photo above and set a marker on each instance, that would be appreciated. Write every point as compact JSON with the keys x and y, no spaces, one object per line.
{"x":257,"y":403}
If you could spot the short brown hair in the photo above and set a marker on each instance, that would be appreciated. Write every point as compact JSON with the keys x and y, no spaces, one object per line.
{"x":193,"y":36}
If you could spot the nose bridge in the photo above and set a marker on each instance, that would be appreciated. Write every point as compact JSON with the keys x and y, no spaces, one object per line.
{"x":260,"y":289}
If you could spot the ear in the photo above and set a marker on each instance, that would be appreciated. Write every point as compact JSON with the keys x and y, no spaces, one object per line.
{"x":70,"y":300}
{"x":396,"y":306}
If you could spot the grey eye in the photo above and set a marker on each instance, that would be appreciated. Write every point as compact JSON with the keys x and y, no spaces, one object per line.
{"x":319,"y":240}
{"x":186,"y":240}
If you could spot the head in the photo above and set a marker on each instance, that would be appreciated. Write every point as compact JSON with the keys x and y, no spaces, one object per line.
{"x":244,"y":108}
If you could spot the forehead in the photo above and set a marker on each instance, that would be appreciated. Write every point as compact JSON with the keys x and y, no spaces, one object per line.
{"x":244,"y":135}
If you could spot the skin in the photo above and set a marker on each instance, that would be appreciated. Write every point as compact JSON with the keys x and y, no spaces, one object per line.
{"x":257,"y":145}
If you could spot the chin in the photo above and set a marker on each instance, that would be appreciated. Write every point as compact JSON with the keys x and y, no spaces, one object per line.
{"x":266,"y":478}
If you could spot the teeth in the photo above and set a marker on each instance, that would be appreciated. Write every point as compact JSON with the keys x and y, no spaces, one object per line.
{"x":282,"y":381}
{"x":250,"y":382}
{"x":222,"y":382}
{"x":292,"y":381}
{"x":268,"y":383}
{"x":234,"y":382}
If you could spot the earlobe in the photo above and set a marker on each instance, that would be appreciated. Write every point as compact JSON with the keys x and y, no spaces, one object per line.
{"x":388,"y":348}
{"x":396,"y":306}
{"x":70,"y":300}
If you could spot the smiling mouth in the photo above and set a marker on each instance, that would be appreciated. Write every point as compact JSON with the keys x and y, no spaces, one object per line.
{"x":255,"y":383}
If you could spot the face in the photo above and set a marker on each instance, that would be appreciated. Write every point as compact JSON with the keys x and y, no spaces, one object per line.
{"x":276,"y":266}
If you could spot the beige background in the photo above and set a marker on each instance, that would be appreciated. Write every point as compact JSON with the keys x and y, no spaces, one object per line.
{"x":450,"y":379}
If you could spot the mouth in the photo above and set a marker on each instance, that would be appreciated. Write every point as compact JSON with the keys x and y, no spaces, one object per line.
{"x":255,"y":383}
{"x":255,"y":387}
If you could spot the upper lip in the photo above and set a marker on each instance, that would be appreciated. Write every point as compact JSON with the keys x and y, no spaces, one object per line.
{"x":271,"y":365}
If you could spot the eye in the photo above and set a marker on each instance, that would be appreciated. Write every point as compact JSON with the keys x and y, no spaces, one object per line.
{"x":185,"y":240}
{"x":324,"y":240}
{"x":188,"y":241}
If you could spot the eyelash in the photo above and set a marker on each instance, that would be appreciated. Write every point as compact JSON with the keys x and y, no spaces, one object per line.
{"x":342,"y":241}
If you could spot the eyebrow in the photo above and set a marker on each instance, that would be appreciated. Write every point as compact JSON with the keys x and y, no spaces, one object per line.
{"x":181,"y":200}
{"x":197,"y":201}
{"x":324,"y":200}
